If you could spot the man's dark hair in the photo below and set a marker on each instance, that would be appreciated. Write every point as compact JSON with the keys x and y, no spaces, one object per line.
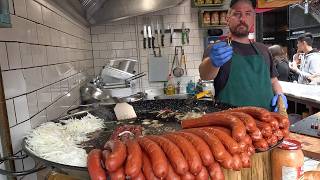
{"x":233,"y":2}
{"x":307,"y":37}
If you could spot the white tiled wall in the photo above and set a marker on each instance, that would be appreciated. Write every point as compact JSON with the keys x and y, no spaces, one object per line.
{"x":44,"y":58}
{"x":119,"y":39}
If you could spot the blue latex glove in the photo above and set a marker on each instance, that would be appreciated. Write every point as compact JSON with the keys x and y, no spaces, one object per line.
{"x":220,"y":53}
{"x":275,"y":100}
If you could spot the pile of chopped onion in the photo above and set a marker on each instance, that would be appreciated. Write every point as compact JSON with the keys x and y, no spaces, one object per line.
{"x":60,"y":143}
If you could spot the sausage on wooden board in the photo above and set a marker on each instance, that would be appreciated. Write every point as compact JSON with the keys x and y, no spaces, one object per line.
{"x":95,"y":168}
{"x":134,"y":159}
{"x":140,"y":176}
{"x":217,"y":148}
{"x":237,"y":163}
{"x":147,"y":168}
{"x":248,"y":120}
{"x":201,"y":146}
{"x":189,"y":152}
{"x":173,"y":153}
{"x":229,"y":143}
{"x":117,"y":156}
{"x":278,"y":133}
{"x":260,"y":114}
{"x":118,"y":174}
{"x":172,"y":175}
{"x":284,"y":122}
{"x":203,"y":175}
{"x":272,"y":140}
{"x":265,"y":128}
{"x":188,"y":176}
{"x":257,"y":113}
{"x":215,"y":172}
{"x":218,"y":119}
{"x":245,"y":159}
{"x":261,"y":145}
{"x":157,"y":157}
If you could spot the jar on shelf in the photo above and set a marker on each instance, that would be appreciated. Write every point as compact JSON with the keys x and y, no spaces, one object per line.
{"x":217,"y":1}
{"x":223,"y":18}
{"x":208,"y":1}
{"x":215,"y":18}
{"x":206,"y":18}
{"x":200,"y":2}
{"x":287,"y":161}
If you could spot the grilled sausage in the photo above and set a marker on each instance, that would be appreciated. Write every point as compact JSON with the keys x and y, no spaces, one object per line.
{"x":95,"y":168}
{"x":250,"y":150}
{"x":171,"y":174}
{"x":257,"y":113}
{"x":147,"y":168}
{"x":118,"y":174}
{"x":117,"y":156}
{"x":157,"y":156}
{"x":248,"y":120}
{"x":272,"y":140}
{"x":283,"y":121}
{"x":134,"y":159}
{"x":237,"y":163}
{"x":173,"y":154}
{"x":215,"y":172}
{"x":256,"y":135}
{"x":218,"y":119}
{"x":245,"y":159}
{"x":285,"y":132}
{"x":140,"y":176}
{"x":201,"y":146}
{"x":265,"y":128}
{"x":261,"y":145}
{"x":278,"y":133}
{"x":229,"y":143}
{"x":203,"y":175}
{"x":217,"y":148}
{"x":188,"y":176}
{"x":190,"y":153}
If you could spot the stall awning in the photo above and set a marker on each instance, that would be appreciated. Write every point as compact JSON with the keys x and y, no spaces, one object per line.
{"x":275,"y":3}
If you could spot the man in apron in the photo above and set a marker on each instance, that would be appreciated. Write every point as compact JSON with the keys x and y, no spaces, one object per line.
{"x":242,"y":70}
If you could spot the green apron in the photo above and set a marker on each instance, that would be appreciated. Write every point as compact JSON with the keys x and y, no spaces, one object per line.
{"x":249,"y":82}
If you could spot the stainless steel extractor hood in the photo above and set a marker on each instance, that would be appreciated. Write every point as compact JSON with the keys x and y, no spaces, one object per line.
{"x":104,"y":11}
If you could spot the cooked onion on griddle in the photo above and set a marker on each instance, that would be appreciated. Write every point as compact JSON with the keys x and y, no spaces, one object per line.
{"x":60,"y":142}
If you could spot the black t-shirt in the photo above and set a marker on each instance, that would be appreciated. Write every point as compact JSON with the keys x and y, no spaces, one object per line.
{"x":245,"y":50}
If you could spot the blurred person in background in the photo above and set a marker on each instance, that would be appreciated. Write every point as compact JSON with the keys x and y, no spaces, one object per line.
{"x":280,"y":61}
{"x":310,"y":63}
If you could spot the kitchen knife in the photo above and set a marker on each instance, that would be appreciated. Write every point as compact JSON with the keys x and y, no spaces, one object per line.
{"x":163,"y":31}
{"x":171,"y":33}
{"x":158,"y":34}
{"x":145,"y":36}
{"x":183,"y":33}
{"x":149,"y":36}
{"x":152,"y":34}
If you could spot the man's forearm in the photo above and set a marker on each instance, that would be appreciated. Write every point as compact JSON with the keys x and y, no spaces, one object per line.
{"x":276,"y":87}
{"x":207,"y":71}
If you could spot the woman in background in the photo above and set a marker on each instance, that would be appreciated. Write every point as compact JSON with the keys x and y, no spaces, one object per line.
{"x":280,"y":61}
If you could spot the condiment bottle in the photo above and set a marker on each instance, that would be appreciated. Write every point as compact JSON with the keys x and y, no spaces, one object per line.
{"x":208,"y":1}
{"x":200,"y":2}
{"x":170,"y":86}
{"x":178,"y":87}
{"x":287,"y":161}
{"x":215,"y":18}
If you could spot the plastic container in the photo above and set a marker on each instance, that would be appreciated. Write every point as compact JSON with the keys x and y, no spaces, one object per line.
{"x":287,"y":161}
{"x":191,"y":87}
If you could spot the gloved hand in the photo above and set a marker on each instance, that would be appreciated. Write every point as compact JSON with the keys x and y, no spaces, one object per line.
{"x":220,"y":53}
{"x":274,"y":101}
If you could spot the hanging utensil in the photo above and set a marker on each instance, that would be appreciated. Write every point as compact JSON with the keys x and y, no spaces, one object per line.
{"x":183,"y":34}
{"x":178,"y":70}
{"x":162,"y":31}
{"x":145,"y":35}
{"x":152,"y":35}
{"x":171,"y":33}
{"x":149,"y":36}
{"x":184,"y":61}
